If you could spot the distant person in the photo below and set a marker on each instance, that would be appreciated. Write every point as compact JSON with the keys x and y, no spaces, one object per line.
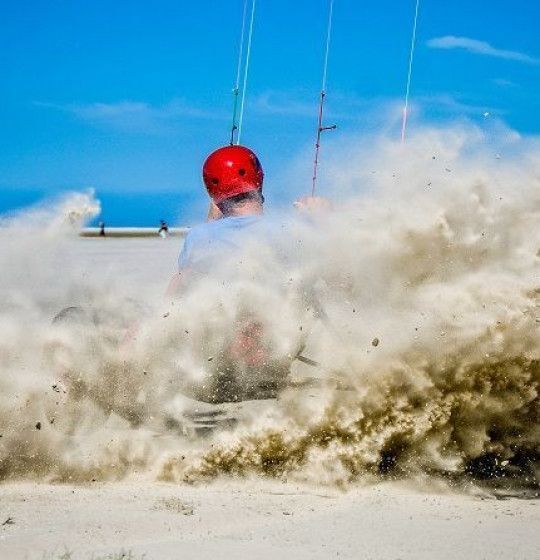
{"x":163,"y":230}
{"x":102,"y":229}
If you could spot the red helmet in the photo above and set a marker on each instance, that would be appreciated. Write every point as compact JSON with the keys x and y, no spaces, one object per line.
{"x":230,"y":171}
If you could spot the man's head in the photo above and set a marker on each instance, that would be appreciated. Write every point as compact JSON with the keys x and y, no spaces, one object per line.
{"x":234,"y":178}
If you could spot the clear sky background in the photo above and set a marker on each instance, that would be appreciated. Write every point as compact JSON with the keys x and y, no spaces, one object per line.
{"x":128,"y":97}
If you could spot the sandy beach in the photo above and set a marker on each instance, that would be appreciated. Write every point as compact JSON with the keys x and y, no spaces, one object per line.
{"x":248,"y":519}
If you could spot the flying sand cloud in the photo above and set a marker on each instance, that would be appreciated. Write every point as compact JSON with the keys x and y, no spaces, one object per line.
{"x":479,"y":47}
{"x":446,"y":279}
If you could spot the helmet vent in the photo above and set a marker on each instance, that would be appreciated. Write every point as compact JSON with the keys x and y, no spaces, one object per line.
{"x":215,"y":181}
{"x":241,"y":172}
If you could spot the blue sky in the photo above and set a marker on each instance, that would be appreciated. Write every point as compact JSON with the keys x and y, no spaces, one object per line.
{"x":129,"y":97}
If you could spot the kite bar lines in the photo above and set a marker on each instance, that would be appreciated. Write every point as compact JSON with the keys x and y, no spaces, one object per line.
{"x":320,"y":127}
{"x":409,"y":75}
{"x":238,"y":112}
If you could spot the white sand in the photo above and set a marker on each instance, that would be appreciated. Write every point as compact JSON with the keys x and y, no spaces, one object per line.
{"x":261,"y":520}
